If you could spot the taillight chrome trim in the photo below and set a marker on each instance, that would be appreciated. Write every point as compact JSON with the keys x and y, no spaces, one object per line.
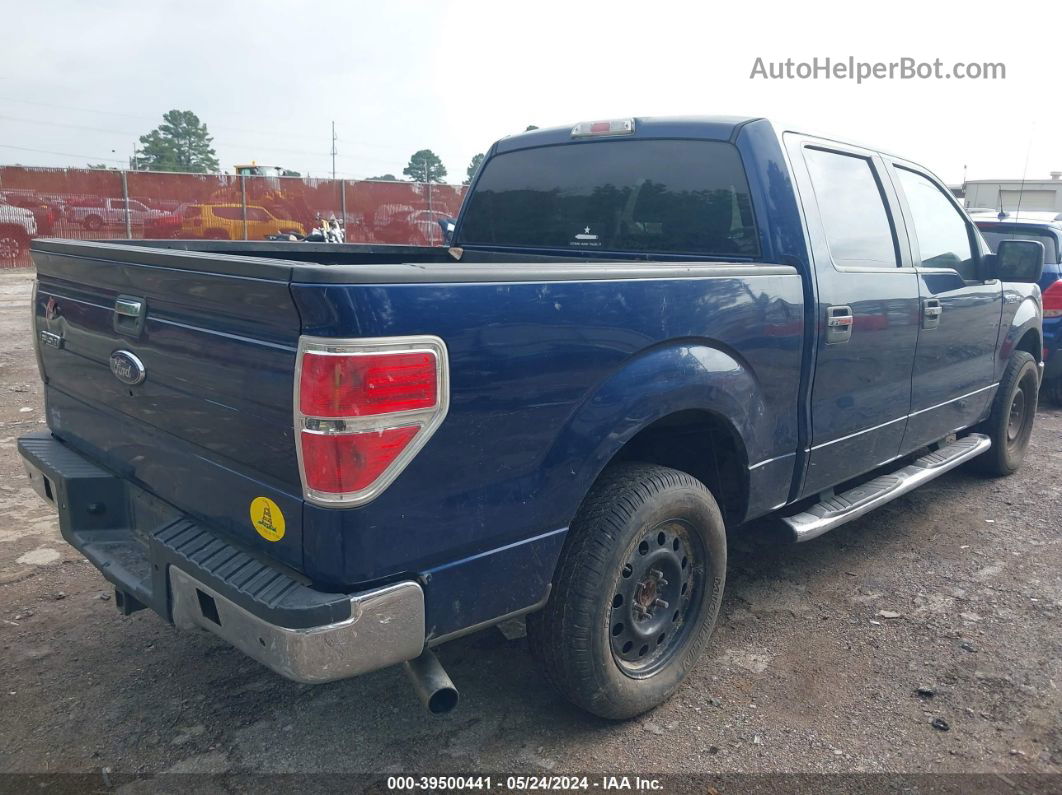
{"x":428,"y":420}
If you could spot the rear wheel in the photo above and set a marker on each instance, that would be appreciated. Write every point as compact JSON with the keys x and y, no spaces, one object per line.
{"x":636,"y":593}
{"x":93,"y":223}
{"x":216,"y":234}
{"x":1010,"y":424}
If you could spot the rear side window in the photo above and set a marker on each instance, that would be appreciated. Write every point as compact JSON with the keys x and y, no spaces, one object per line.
{"x":257,"y":214}
{"x":943,"y":236}
{"x":228,"y":213}
{"x":852,"y":209}
{"x":688,"y":197}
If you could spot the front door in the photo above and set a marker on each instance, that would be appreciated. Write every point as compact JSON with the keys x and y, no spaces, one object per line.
{"x":954,"y":367}
{"x":867,"y":310}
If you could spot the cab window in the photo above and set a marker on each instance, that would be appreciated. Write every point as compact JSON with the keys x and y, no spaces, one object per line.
{"x":942,"y":233}
{"x":852,"y":209}
{"x":228,"y":213}
{"x":643,"y":196}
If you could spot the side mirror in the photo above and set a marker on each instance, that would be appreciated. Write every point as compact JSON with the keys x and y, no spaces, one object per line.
{"x":1017,"y":261}
{"x":447,"y":225}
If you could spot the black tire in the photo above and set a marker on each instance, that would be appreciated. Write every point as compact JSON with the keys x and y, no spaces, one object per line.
{"x":1010,"y":423}
{"x":13,"y":243}
{"x":645,"y":564}
{"x":93,"y":223}
{"x":216,"y":234}
{"x":1052,"y":390}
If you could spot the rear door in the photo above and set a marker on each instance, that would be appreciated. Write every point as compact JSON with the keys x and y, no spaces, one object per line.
{"x":867,"y":310}
{"x":959,"y":314}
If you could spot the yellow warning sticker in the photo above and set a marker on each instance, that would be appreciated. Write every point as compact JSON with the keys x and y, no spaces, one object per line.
{"x":267,"y":518}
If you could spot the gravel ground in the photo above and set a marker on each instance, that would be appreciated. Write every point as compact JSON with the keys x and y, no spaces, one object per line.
{"x":838,"y":655}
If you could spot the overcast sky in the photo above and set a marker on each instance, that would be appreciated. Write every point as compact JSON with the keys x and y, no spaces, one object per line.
{"x":81,"y":81}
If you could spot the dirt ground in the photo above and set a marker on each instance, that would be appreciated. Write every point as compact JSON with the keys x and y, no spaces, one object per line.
{"x":816,"y":664}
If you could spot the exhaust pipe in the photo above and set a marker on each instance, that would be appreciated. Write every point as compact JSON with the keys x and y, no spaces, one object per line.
{"x":432,"y":685}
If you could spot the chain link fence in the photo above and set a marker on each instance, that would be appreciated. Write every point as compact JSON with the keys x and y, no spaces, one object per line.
{"x":88,"y":204}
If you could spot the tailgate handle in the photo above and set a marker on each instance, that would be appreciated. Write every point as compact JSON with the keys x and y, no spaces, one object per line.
{"x":129,"y":306}
{"x":129,"y":314}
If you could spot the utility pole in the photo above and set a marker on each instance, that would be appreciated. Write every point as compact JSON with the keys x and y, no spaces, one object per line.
{"x":427,"y":179}
{"x":333,"y":150}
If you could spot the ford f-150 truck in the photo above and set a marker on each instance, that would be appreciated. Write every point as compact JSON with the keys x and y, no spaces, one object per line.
{"x":645,"y":334}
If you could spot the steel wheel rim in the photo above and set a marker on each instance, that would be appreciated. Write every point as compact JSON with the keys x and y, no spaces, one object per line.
{"x":656,"y":598}
{"x":1016,"y":420}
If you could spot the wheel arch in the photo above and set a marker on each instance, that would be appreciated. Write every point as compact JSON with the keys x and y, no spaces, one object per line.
{"x":701,"y":443}
{"x":688,"y":404}
{"x":1031,"y":342}
{"x":1024,"y":333}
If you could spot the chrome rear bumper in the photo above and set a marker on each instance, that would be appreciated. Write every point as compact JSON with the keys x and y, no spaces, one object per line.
{"x":386,"y":627}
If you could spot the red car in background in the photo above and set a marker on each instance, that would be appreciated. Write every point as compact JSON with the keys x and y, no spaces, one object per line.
{"x":44,"y":213}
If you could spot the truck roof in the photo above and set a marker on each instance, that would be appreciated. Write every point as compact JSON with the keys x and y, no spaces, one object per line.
{"x":709,"y":128}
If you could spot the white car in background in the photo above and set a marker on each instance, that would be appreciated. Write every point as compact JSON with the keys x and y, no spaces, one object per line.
{"x":94,"y":214}
{"x":17,"y":227}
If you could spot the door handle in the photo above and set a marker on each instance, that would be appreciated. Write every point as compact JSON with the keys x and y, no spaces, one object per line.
{"x":931,"y":312}
{"x":839,"y":322}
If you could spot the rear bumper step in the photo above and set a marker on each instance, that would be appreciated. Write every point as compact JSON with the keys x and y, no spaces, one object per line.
{"x":841,"y":508}
{"x":158,"y":557}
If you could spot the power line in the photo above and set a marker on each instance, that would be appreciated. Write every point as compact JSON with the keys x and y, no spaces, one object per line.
{"x":226,"y":143}
{"x":63,"y":154}
{"x":256,"y":131}
{"x":220,"y":142}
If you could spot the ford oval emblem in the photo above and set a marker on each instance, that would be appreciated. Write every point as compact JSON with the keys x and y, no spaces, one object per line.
{"x":127,"y":368}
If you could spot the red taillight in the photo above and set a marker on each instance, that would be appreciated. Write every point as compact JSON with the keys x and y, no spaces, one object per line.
{"x":364,"y":385}
{"x":343,"y":463}
{"x":1053,"y":300}
{"x":363,"y":409}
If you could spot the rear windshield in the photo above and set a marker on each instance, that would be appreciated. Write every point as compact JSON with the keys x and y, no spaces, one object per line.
{"x":994,"y":236}
{"x":688,"y":197}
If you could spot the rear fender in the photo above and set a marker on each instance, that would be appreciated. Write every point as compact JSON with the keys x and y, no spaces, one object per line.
{"x":1021,"y":313}
{"x":678,"y":376}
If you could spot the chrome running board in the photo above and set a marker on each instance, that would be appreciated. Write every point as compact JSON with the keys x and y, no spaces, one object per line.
{"x":841,"y":508}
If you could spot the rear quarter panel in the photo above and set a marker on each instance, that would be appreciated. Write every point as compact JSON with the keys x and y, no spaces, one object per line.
{"x":548,"y":380}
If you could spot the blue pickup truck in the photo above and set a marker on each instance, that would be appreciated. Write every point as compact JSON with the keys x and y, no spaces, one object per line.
{"x":997,"y":228}
{"x":645,"y":334}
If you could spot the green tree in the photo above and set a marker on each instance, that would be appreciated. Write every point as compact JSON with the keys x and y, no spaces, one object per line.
{"x":287,"y":172}
{"x":425,"y":166}
{"x":386,"y":178}
{"x":473,"y":167}
{"x":530,"y":127}
{"x":180,"y":143}
{"x":99,"y":166}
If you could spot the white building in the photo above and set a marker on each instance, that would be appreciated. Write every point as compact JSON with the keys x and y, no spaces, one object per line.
{"x":1035,"y":195}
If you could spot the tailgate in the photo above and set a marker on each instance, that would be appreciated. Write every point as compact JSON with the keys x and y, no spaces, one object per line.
{"x":209,"y":426}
